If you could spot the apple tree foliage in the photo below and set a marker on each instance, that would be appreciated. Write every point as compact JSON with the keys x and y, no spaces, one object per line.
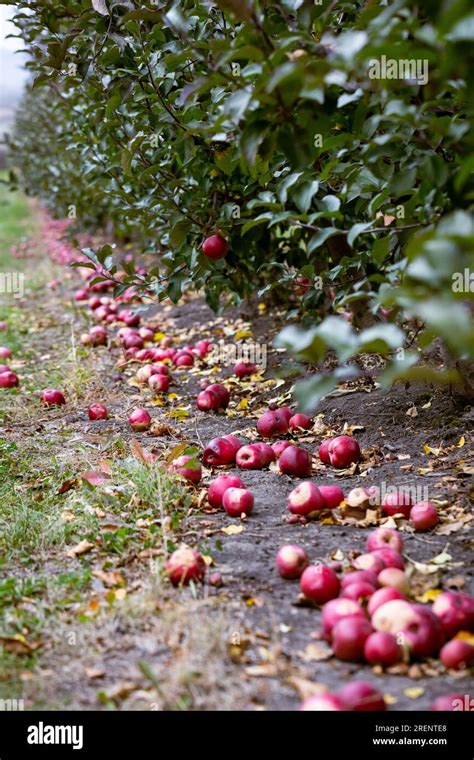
{"x":325,"y":140}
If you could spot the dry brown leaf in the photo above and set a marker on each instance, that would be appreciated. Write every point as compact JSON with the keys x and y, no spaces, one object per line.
{"x":81,"y":548}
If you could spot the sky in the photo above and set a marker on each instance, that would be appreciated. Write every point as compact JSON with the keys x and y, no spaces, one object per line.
{"x":12,"y":73}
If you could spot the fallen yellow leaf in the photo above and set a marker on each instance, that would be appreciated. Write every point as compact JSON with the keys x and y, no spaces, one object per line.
{"x":233,"y":530}
{"x":413,"y":692}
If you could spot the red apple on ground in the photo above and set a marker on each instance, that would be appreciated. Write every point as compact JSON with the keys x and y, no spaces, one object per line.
{"x":279,"y":447}
{"x":221,"y":391}
{"x":424,"y":516}
{"x":272,"y":424}
{"x":208,"y":401}
{"x":159,"y":383}
{"x":455,"y":610}
{"x":382,"y":648}
{"x":319,"y":583}
{"x":305,"y":498}
{"x":97,"y":412}
{"x":188,"y":467}
{"x":219,"y":486}
{"x":381,"y":596}
{"x":367,"y":576}
{"x":457,"y":654}
{"x":291,"y":560}
{"x":343,"y":451}
{"x":369,"y":562}
{"x":251,"y":457}
{"x":332,"y":495}
{"x":382,"y":537}
{"x":184,"y":360}
{"x":287,"y":412}
{"x":9,"y":379}
{"x":361,"y":696}
{"x":300,"y":421}
{"x":5,"y":353}
{"x":221,"y":451}
{"x":237,"y":501}
{"x":393,"y":577}
{"x":266,"y":450}
{"x":358,"y":591}
{"x":185,"y":565}
{"x":418,"y":626}
{"x":323,"y":451}
{"x":52,"y":397}
{"x":337,"y":609}
{"x":215,"y":247}
{"x":348,"y":638}
{"x":296,"y":462}
{"x":139,"y":420}
{"x":244,"y":369}
{"x":396,"y":503}
{"x":390,"y":557}
{"x":323,"y":703}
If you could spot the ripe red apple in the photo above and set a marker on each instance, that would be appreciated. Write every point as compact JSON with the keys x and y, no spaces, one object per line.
{"x":336,"y":610}
{"x":185,"y":565}
{"x":295,"y":461}
{"x":220,"y":451}
{"x":455,"y":610}
{"x":144,"y":373}
{"x":305,"y":498}
{"x":393,"y":577}
{"x":3,"y":326}
{"x":97,"y":412}
{"x":287,"y":412}
{"x":319,"y":583}
{"x":390,"y":557}
{"x":184,"y":360}
{"x":98,"y":335}
{"x":348,"y":638}
{"x":237,"y":501}
{"x":361,"y":696}
{"x":366,"y":576}
{"x":146,"y":333}
{"x":132,"y":341}
{"x":332,"y":495}
{"x":207,"y":401}
{"x":300,"y":421}
{"x":158,"y":383}
{"x":188,"y":467}
{"x":452,"y":702}
{"x":215,"y":247}
{"x":397,"y":503}
{"x":382,"y":537}
{"x":9,"y":379}
{"x":381,"y":596}
{"x":343,"y":451}
{"x":369,"y":562}
{"x":323,"y":451}
{"x":160,"y":369}
{"x":279,"y":447}
{"x":291,"y":560}
{"x":382,"y":648}
{"x":420,"y":628}
{"x":323,"y":703}
{"x":139,"y":420}
{"x":266,"y":450}
{"x":272,"y":423}
{"x":457,"y":654}
{"x":219,"y":486}
{"x":51,"y":397}
{"x":4,"y":368}
{"x":221,"y":391}
{"x":358,"y":591}
{"x":251,"y":457}
{"x":424,"y":516}
{"x":5,"y":353}
{"x":244,"y":369}
{"x":358,"y":498}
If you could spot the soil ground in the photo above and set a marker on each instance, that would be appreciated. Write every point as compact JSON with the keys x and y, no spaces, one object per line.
{"x":102,"y":628}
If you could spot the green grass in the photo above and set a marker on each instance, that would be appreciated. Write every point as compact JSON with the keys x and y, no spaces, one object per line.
{"x":17,"y":221}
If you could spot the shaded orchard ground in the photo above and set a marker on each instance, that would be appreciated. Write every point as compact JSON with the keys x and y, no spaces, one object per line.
{"x":118,"y":635}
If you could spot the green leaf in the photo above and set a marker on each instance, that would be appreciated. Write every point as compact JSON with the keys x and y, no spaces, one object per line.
{"x":251,"y":140}
{"x":355,"y":231}
{"x":303,"y":195}
{"x":320,"y":238}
